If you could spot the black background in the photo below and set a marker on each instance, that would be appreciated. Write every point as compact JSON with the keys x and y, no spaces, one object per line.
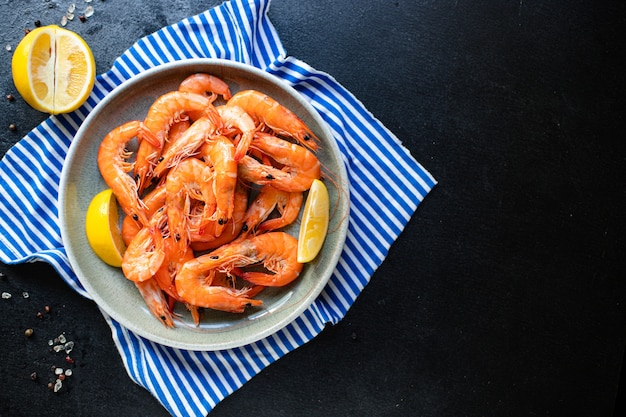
{"x":505,"y":294}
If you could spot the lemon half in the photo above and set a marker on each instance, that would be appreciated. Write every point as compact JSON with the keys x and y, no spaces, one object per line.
{"x":102,"y":228}
{"x":314,"y":225}
{"x":53,"y":69}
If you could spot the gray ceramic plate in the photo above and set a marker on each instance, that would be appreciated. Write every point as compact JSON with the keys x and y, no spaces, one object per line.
{"x":81,"y":180}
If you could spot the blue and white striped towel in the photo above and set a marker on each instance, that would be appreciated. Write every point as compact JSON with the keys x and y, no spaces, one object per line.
{"x":386,"y":184}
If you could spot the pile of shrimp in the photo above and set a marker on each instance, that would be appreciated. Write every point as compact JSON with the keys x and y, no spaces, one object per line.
{"x":193,"y":233}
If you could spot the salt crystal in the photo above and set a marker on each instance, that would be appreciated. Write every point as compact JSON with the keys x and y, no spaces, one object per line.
{"x":50,"y":342}
{"x":6,"y":295}
{"x":71,"y":8}
{"x":64,"y":20}
{"x":8,"y":47}
{"x":88,"y":11}
{"x":57,"y":385}
{"x":87,"y":1}
{"x":58,"y":348}
{"x":70,"y":16}
{"x":68,"y":372}
{"x":68,"y":346}
{"x":25,"y":294}
{"x":58,"y":371}
{"x":62,"y":338}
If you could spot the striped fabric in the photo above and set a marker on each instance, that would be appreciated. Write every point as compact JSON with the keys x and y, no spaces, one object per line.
{"x":386,"y":185}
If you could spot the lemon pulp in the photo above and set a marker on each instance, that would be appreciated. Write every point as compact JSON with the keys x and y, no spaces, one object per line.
{"x":53,"y":69}
{"x":101,"y":226}
{"x":314,"y":225}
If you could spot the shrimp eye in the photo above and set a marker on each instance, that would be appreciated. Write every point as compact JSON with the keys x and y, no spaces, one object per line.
{"x":269,"y":177}
{"x":307,"y":137}
{"x":177,"y":237}
{"x":215,"y":257}
{"x":220,"y":222}
{"x":135,"y":217}
{"x":161,"y":159}
{"x":244,"y":227}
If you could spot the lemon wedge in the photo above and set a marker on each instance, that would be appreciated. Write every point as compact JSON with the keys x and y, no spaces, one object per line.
{"x":103,"y":232}
{"x":53,"y":69}
{"x":314,"y":225}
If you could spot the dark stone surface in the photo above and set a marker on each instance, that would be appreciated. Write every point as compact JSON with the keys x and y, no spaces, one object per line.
{"x":514,"y":303}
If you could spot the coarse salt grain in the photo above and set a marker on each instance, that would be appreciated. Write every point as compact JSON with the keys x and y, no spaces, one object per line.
{"x":6,"y":295}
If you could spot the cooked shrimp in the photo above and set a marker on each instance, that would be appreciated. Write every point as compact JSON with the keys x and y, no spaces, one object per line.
{"x":191,"y":179}
{"x":272,"y":114}
{"x":205,"y":239}
{"x":114,"y":167}
{"x":216,"y":297}
{"x":176,"y":131}
{"x":277,"y":251}
{"x":165,"y":111}
{"x":301,"y":166}
{"x":195,"y":286}
{"x":153,"y":201}
{"x":269,"y":199}
{"x":219,"y":152}
{"x":156,"y":301}
{"x":235,"y":116}
{"x":145,"y":254}
{"x":186,"y":145}
{"x":202,"y":83}
{"x":172,"y":107}
{"x":167,"y":273}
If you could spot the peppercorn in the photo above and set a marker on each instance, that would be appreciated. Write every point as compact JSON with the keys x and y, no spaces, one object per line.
{"x":10,"y":97}
{"x":28,"y":332}
{"x":12,"y":127}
